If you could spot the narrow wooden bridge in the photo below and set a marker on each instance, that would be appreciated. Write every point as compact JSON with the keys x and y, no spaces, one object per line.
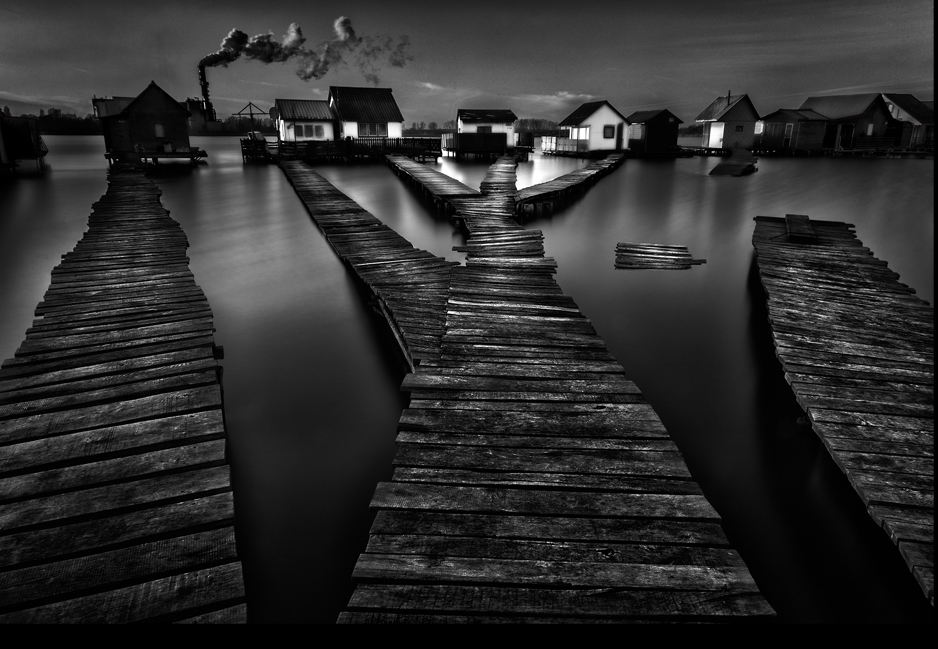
{"x":115,"y":499}
{"x":857,"y":348}
{"x":410,"y":285}
{"x":555,"y":193}
{"x":435,"y":188}
{"x":533,"y":482}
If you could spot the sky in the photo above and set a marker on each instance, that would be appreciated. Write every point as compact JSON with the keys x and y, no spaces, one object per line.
{"x":540,"y":59}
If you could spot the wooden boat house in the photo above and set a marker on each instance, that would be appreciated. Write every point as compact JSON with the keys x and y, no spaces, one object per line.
{"x":652,"y":132}
{"x":594,"y":127}
{"x":150,"y":126}
{"x":20,"y":143}
{"x":789,"y":129}
{"x":481,"y":132}
{"x":304,"y":120}
{"x":918,"y":120}
{"x":729,"y":123}
{"x":365,"y":112}
{"x":856,"y":122}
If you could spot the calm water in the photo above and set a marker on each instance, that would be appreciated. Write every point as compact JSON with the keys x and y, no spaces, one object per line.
{"x":312,"y":375}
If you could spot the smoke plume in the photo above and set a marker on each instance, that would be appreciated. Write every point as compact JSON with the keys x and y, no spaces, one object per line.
{"x":346,"y":47}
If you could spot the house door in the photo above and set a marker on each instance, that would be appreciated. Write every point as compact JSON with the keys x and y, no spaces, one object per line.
{"x":619,"y":136}
{"x":845,"y":141}
{"x":786,"y":141}
{"x":716,"y":135}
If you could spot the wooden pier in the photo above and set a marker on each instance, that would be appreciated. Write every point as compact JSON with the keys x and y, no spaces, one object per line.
{"x":857,"y":348}
{"x":115,"y":497}
{"x":435,"y":187}
{"x":533,"y":482}
{"x":555,"y":193}
{"x":410,"y":285}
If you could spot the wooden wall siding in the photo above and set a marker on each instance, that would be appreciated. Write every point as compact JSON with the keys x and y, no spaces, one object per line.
{"x":533,"y":482}
{"x":410,"y":285}
{"x":857,"y":348}
{"x":555,"y":193}
{"x":115,"y":499}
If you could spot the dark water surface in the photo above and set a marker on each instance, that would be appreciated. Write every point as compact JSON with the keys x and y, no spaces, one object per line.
{"x":312,"y":374}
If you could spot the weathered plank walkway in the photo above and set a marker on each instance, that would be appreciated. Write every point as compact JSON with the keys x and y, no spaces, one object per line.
{"x":410,"y":285}
{"x":857,"y":348}
{"x":115,"y":499}
{"x":533,"y":482}
{"x":437,"y":188}
{"x":561,"y":190}
{"x":654,"y":256}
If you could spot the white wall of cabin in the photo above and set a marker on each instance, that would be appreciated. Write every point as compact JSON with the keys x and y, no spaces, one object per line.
{"x":287,"y":131}
{"x":604,"y":116}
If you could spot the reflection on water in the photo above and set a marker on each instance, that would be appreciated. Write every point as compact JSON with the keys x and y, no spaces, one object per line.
{"x":312,"y":375}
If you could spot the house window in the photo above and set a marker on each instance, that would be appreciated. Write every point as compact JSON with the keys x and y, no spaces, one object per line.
{"x":565,"y":133}
{"x":609,"y":131}
{"x":581,"y":133}
{"x":319,"y":131}
{"x":484,"y":129}
{"x":158,"y":129}
{"x":365,"y":130}
{"x":869,"y":129}
{"x":739,"y":128}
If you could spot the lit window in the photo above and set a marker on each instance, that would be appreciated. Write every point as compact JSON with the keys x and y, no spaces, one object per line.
{"x":869,"y":129}
{"x":158,"y":129}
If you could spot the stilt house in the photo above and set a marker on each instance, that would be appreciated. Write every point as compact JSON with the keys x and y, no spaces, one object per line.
{"x":729,"y":123}
{"x":856,"y":121}
{"x":594,"y":126}
{"x":790,"y":129}
{"x":918,"y":120}
{"x":489,"y":131}
{"x":365,"y":112}
{"x":652,"y":131}
{"x":304,"y":120}
{"x":152,"y":124}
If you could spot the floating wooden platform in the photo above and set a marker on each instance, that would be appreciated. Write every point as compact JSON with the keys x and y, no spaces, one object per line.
{"x":115,"y":498}
{"x":857,"y":348}
{"x":410,"y":285}
{"x":557,"y":192}
{"x":654,"y":256}
{"x":533,"y":482}
{"x":741,"y":163}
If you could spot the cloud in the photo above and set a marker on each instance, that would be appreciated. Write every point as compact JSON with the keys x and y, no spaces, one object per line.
{"x":430,"y":86}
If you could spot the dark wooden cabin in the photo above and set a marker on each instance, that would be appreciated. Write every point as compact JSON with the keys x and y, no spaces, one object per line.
{"x":151,"y":125}
{"x":20,"y":142}
{"x":653,"y":131}
{"x":481,"y":132}
{"x":918,"y":120}
{"x":790,"y":129}
{"x":856,"y":122}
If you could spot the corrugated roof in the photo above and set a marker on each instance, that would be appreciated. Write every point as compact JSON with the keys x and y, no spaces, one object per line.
{"x":796,"y":115}
{"x":840,"y":106}
{"x":642,"y":116}
{"x":311,"y":109}
{"x":720,"y":106}
{"x":365,"y":104}
{"x":910,"y":104}
{"x":585,"y":110}
{"x":494,"y":115}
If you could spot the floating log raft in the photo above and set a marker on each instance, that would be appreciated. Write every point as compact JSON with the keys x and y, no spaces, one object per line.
{"x":115,"y":497}
{"x":558,"y":192}
{"x":741,"y":163}
{"x":533,"y":482}
{"x":410,"y":285}
{"x":857,"y":348}
{"x":654,"y":256}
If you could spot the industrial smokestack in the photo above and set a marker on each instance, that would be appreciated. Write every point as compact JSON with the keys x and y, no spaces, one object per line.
{"x":209,"y":110}
{"x":313,"y":63}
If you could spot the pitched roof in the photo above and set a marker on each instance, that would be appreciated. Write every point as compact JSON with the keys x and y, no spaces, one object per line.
{"x":585,"y":110}
{"x":911,"y":105}
{"x":796,"y":115}
{"x":115,"y":106}
{"x":721,"y":106}
{"x":365,"y":104}
{"x":307,"y":109}
{"x":840,"y":106}
{"x":495,"y":115}
{"x":642,"y":116}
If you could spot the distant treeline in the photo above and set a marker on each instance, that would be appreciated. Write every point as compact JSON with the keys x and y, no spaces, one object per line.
{"x":58,"y":122}
{"x":690,"y":130}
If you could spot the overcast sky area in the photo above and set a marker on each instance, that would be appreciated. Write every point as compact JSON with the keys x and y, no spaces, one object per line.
{"x":540,"y":59}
